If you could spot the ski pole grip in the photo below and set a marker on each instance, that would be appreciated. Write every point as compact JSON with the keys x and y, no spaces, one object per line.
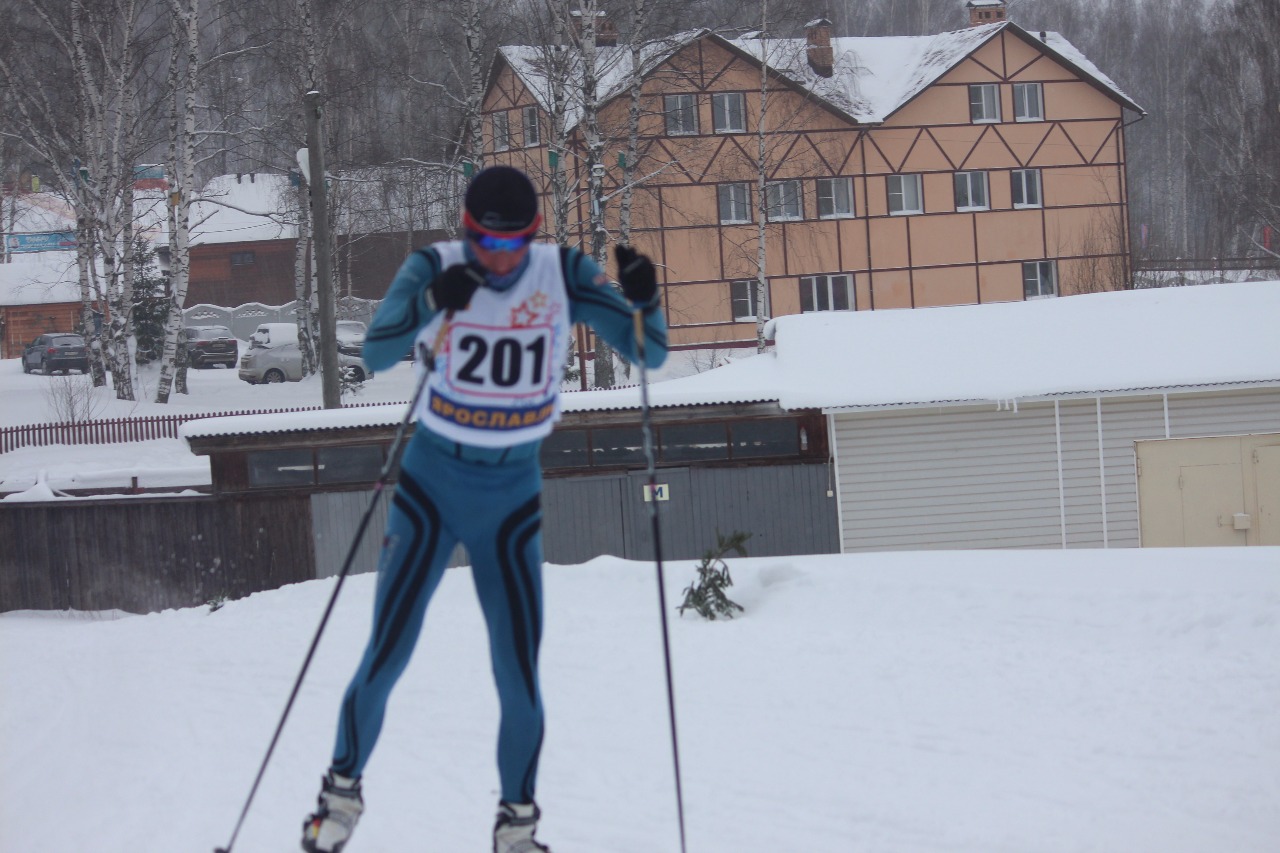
{"x":637,"y":321}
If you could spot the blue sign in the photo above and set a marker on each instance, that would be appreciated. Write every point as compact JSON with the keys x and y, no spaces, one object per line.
{"x":46,"y":241}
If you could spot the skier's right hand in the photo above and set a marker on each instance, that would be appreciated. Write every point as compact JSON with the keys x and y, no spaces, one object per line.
{"x":452,"y":289}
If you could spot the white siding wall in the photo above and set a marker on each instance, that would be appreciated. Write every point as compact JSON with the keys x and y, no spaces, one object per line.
{"x":977,"y":477}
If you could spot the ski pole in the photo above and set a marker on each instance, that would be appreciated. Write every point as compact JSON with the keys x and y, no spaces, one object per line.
{"x":646,"y":427}
{"x":393,"y":460}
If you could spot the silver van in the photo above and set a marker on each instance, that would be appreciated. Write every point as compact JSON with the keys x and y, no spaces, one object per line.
{"x":273,"y":356}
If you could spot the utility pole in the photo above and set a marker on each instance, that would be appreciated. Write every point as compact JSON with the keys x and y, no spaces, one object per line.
{"x":320,"y":255}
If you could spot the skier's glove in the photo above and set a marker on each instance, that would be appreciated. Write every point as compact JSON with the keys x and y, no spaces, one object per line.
{"x":637,"y":276}
{"x":452,"y":289}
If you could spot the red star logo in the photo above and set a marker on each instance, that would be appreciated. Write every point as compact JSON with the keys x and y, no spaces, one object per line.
{"x":523,"y":316}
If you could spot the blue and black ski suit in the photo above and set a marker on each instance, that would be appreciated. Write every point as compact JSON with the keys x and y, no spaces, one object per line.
{"x":471,"y":474}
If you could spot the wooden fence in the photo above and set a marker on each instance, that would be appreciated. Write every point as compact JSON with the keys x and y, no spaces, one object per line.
{"x":123,"y":430}
{"x":146,"y":555}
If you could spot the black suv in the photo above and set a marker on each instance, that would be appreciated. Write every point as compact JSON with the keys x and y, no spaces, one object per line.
{"x":56,"y":351}
{"x":210,"y":345}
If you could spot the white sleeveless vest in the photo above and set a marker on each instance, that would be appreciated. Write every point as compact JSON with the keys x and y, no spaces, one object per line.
{"x":496,"y":379}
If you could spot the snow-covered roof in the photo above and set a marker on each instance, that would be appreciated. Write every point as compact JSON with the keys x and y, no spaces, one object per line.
{"x":1128,"y":341}
{"x":873,"y":77}
{"x":535,"y":65}
{"x":241,"y":208}
{"x":36,"y":212}
{"x":250,"y":207}
{"x":40,"y":278}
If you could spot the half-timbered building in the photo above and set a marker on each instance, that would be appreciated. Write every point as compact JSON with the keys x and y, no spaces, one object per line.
{"x":975,"y":166}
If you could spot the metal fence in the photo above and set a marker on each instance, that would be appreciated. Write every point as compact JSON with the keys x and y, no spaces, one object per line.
{"x":243,"y":319}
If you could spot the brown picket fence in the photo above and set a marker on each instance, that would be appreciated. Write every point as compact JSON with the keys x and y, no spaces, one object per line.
{"x":123,"y":430}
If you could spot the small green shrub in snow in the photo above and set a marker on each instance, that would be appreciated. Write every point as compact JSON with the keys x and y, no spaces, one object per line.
{"x":706,"y":594}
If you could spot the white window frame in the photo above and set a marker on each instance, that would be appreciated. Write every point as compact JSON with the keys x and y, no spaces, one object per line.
{"x":1039,"y":279}
{"x":784,"y":201}
{"x":738,"y":199}
{"x":744,"y":290}
{"x":825,"y":291}
{"x":729,"y":112}
{"x":903,"y":187}
{"x":1024,"y":183}
{"x":681,"y":112}
{"x":1028,"y":102}
{"x":532,"y":131}
{"x":966,"y":198}
{"x":984,"y":103}
{"x":830,"y":192}
{"x":501,"y":131}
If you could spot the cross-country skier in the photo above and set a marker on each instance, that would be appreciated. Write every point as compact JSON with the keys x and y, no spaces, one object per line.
{"x":471,"y":472}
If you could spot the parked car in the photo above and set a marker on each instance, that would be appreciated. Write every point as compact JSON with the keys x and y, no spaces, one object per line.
{"x":350,"y":335}
{"x":274,"y":356}
{"x":210,"y":345}
{"x":56,"y":351}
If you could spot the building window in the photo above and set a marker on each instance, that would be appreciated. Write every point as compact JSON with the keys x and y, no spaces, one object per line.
{"x":728,"y":113}
{"x":835,"y":198}
{"x":971,"y":191}
{"x":242,"y":259}
{"x":565,"y":448}
{"x":682,"y":114}
{"x":694,"y":442}
{"x":826,"y":292}
{"x":1039,"y":279}
{"x":360,"y":464}
{"x":617,"y":446}
{"x":984,"y":102}
{"x":774,"y":437}
{"x":532,"y":133}
{"x":501,"y":131}
{"x":783,"y":201}
{"x":1026,"y":188}
{"x":735,"y":203}
{"x":1028,"y":102}
{"x":905,"y":194}
{"x":272,"y":468}
{"x":743,"y":296}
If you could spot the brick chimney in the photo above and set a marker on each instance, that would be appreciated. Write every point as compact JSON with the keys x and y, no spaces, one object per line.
{"x":606,"y":30}
{"x":985,"y":12}
{"x":821,"y":57}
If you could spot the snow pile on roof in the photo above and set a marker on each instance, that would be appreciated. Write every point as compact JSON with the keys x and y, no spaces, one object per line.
{"x":1138,"y":340}
{"x":1141,"y":339}
{"x":352,"y":418}
{"x":36,"y":212}
{"x":238,"y":208}
{"x":876,"y":76}
{"x":536,"y":67}
{"x":873,"y":76}
{"x":40,"y":278}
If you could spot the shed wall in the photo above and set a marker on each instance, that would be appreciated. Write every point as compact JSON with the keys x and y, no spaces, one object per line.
{"x":982,"y":477}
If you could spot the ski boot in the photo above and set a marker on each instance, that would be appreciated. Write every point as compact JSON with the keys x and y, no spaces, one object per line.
{"x":330,"y":826}
{"x":514,"y":828}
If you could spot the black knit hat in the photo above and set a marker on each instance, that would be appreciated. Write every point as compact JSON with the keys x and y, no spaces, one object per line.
{"x":501,"y":199}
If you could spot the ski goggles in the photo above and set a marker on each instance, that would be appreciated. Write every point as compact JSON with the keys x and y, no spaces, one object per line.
{"x":511,"y":241}
{"x":494,"y":243}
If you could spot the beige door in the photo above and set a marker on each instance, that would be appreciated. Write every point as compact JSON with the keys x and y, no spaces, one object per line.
{"x":1267,"y":473}
{"x":1211,"y":496}
{"x":1222,"y":490}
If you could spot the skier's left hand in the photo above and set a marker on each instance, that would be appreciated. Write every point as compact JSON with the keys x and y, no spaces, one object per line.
{"x":637,"y":276}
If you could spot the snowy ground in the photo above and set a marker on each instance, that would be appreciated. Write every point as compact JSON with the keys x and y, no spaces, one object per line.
{"x":977,"y":702}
